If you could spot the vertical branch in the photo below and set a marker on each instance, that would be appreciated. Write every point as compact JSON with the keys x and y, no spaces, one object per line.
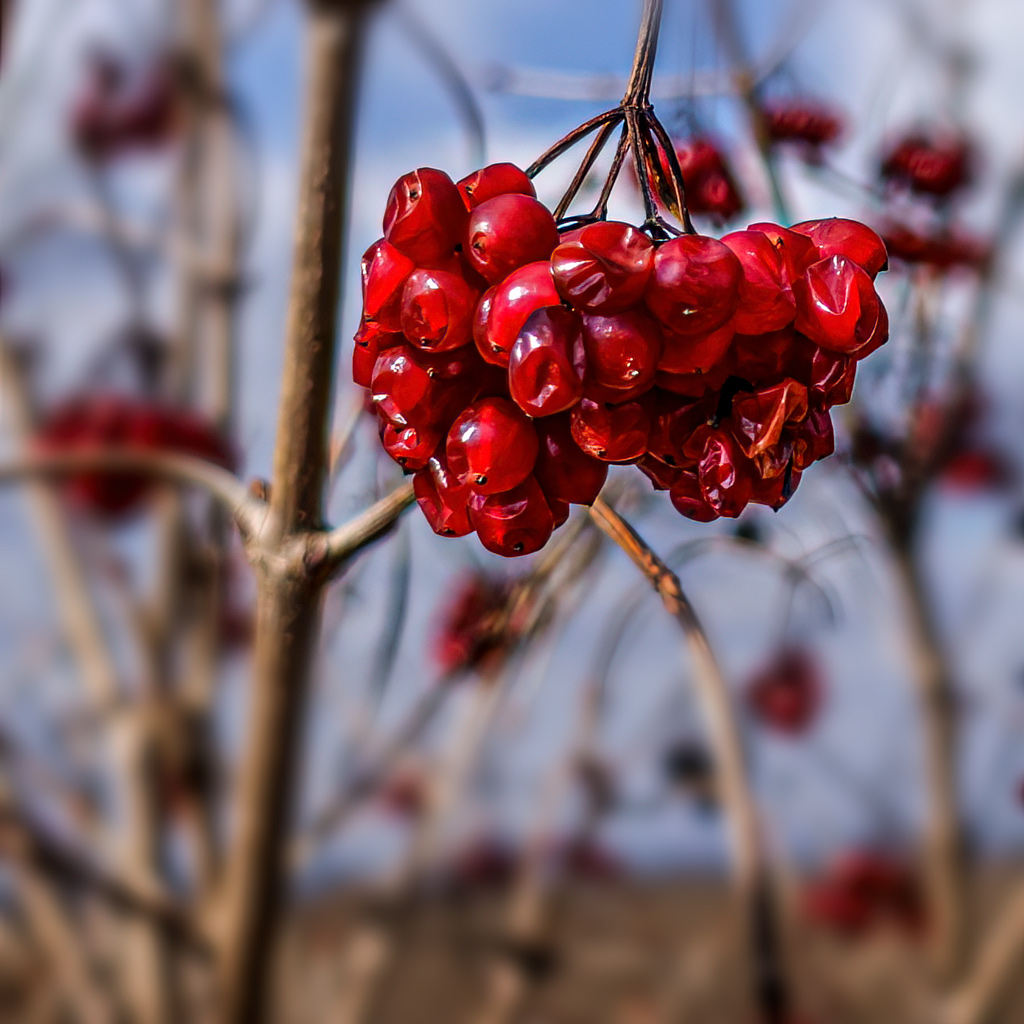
{"x":288,"y":602}
{"x":749,"y":862}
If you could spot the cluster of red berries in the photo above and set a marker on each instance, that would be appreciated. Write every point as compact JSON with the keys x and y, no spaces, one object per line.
{"x":711,"y":187}
{"x":930,"y":163}
{"x":118,"y":111}
{"x":510,"y":364}
{"x":863,"y":890}
{"x":112,"y":422}
{"x":806,"y":124}
{"x":939,"y":249}
{"x":787,"y":693}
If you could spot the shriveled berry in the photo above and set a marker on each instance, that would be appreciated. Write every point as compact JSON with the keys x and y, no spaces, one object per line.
{"x":837,"y":306}
{"x":437,"y":310}
{"x":673,"y":423}
{"x":547,"y":363}
{"x":443,"y":500}
{"x":828,"y":375}
{"x":606,"y":270}
{"x":425,"y":217}
{"x":726,"y":477}
{"x":411,"y":387}
{"x":759,"y":417}
{"x":766,"y":302}
{"x":814,"y":439}
{"x":688,"y":498}
{"x":410,"y":447}
{"x":494,"y":180}
{"x":763,"y":359}
{"x":562,"y":469}
{"x":622,"y":350}
{"x":694,"y":287}
{"x":775,"y":491}
{"x":527,"y":289}
{"x":514,"y":522}
{"x":492,"y":446}
{"x":507,"y":232}
{"x":661,"y":474}
{"x":838,"y":236}
{"x":795,"y":249}
{"x":612,"y":433}
{"x":384,"y":273}
{"x":694,"y":353}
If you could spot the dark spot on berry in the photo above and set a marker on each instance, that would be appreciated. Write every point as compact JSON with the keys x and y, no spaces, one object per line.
{"x":481,"y":480}
{"x":414,"y":193}
{"x":431,"y":372}
{"x":601,"y":453}
{"x":495,"y":348}
{"x":517,"y":547}
{"x":670,"y":460}
{"x":448,"y":531}
{"x":458,"y":247}
{"x":401,"y":460}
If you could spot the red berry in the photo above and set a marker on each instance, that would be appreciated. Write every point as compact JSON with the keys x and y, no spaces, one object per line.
{"x":443,"y":500}
{"x":507,"y":232}
{"x":564,"y":471}
{"x":494,"y":180}
{"x":384,"y":272}
{"x":425,"y":217}
{"x":514,"y":522}
{"x":692,"y":385}
{"x":370,"y":340}
{"x":410,"y":447}
{"x":814,"y":439}
{"x":726,"y":477}
{"x":694,"y":353}
{"x":612,"y":433}
{"x":546,"y":367}
{"x":527,"y":289}
{"x":661,"y":475}
{"x":777,"y":490}
{"x":828,"y":375}
{"x":492,"y":446}
{"x":622,"y":350}
{"x":437,"y":310}
{"x":840,"y":237}
{"x":786,"y":695}
{"x":836,"y":306}
{"x":481,"y":317}
{"x":410,"y":387}
{"x":606,"y":270}
{"x":943,"y":250}
{"x":795,"y":249}
{"x":758,"y":418}
{"x":763,"y":359}
{"x":766,"y":302}
{"x":695,"y":284}
{"x":687,"y":497}
{"x":673,"y":423}
{"x":559,"y":510}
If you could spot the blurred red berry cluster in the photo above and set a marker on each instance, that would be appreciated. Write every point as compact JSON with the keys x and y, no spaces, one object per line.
{"x":930,"y":163}
{"x":509,"y":364}
{"x":468,"y":636}
{"x":122,"y":109}
{"x":863,"y":890}
{"x":801,"y":122}
{"x":94,"y":423}
{"x":711,"y":187}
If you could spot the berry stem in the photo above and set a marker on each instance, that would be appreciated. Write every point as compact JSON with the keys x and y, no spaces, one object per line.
{"x":749,"y":861}
{"x":600,"y":140}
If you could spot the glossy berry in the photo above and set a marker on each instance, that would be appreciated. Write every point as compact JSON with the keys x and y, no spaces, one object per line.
{"x":521,"y":293}
{"x":425,"y":217}
{"x":492,"y":446}
{"x":370,"y":340}
{"x":494,"y":180}
{"x":411,"y":447}
{"x":687,"y":497}
{"x":606,"y":270}
{"x":837,"y":306}
{"x":612,"y":433}
{"x":513,"y":522}
{"x":760,"y":417}
{"x":563,"y":470}
{"x":695,"y":353}
{"x":726,"y":478}
{"x":765,"y":301}
{"x":507,"y":232}
{"x":796,"y":250}
{"x":547,"y":363}
{"x":840,"y":237}
{"x":694,"y":287}
{"x":622,"y":350}
{"x":410,"y":388}
{"x":437,"y":310}
{"x":384,"y":273}
{"x":443,"y":500}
